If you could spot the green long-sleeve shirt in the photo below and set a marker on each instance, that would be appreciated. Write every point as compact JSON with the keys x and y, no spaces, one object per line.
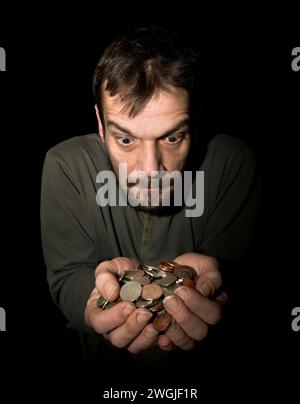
{"x":77,"y":233}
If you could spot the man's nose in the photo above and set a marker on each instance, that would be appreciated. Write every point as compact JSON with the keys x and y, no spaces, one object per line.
{"x":149,"y":159}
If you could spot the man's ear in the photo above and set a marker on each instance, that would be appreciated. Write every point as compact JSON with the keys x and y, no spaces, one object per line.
{"x":100,"y":126}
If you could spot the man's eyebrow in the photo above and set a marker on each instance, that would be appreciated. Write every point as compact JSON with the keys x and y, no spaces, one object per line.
{"x":179,"y":125}
{"x":117,"y":126}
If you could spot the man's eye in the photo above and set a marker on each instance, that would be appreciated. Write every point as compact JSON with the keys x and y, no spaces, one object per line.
{"x":124,"y":140}
{"x":174,"y":138}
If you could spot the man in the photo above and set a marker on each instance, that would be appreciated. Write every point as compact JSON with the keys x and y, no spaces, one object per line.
{"x":147,"y":107}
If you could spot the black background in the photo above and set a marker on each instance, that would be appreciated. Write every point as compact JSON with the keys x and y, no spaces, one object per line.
{"x":250,"y":91}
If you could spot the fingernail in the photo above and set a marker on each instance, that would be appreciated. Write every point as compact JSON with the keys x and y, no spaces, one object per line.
{"x":171,"y":302}
{"x":110,"y":289}
{"x":128,"y":310}
{"x":143,"y":316}
{"x":151,"y":332}
{"x":165,"y":343}
{"x":205,"y":289}
{"x":182,"y":292}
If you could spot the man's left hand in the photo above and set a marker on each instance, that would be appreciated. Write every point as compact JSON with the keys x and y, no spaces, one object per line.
{"x":193,"y":310}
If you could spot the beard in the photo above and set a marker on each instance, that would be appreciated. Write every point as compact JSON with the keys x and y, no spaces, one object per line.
{"x":155,"y":194}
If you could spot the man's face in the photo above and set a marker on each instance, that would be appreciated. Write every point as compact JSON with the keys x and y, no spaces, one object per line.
{"x":156,"y":140}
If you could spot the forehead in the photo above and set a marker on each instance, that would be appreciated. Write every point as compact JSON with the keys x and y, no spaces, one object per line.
{"x":162,"y":111}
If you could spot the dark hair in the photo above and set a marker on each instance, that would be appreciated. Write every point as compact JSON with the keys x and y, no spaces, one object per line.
{"x":142,"y":61}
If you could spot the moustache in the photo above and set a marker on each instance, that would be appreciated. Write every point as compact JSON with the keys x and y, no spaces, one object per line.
{"x":138,"y":179}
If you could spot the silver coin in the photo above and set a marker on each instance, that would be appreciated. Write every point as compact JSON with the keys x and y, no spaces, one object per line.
{"x":105,"y":304}
{"x":162,"y":273}
{"x":143,"y":303}
{"x":132,"y":274}
{"x":183,"y":271}
{"x":100,"y":302}
{"x":150,"y":267}
{"x":109,"y":305}
{"x":163,"y":311}
{"x":167,"y":291}
{"x":157,"y":307}
{"x":154,"y":273}
{"x":167,"y":280}
{"x":131,"y":291}
{"x":154,"y":302}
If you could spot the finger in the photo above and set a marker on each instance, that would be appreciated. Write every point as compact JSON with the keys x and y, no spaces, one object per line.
{"x":124,"y":263}
{"x":145,"y":339}
{"x":108,"y":285}
{"x":179,"y":337}
{"x":165,"y":343}
{"x":208,"y":310}
{"x":117,"y":265}
{"x":104,"y":321}
{"x":209,"y":281}
{"x":106,"y":266}
{"x":222,"y":298}
{"x":127,"y":332}
{"x":95,"y":294}
{"x":107,"y":274}
{"x":193,"y":326}
{"x":199,"y":262}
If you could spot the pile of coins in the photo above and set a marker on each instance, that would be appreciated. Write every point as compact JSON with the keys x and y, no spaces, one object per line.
{"x":148,"y":285}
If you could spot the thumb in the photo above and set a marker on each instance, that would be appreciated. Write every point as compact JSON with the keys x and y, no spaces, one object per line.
{"x":106,"y":281}
{"x":209,"y":281}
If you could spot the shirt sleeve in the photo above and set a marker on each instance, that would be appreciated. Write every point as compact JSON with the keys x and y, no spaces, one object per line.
{"x":67,"y":241}
{"x":232,"y":219}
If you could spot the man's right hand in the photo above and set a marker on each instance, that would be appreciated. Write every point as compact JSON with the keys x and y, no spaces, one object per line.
{"x":123,"y":324}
